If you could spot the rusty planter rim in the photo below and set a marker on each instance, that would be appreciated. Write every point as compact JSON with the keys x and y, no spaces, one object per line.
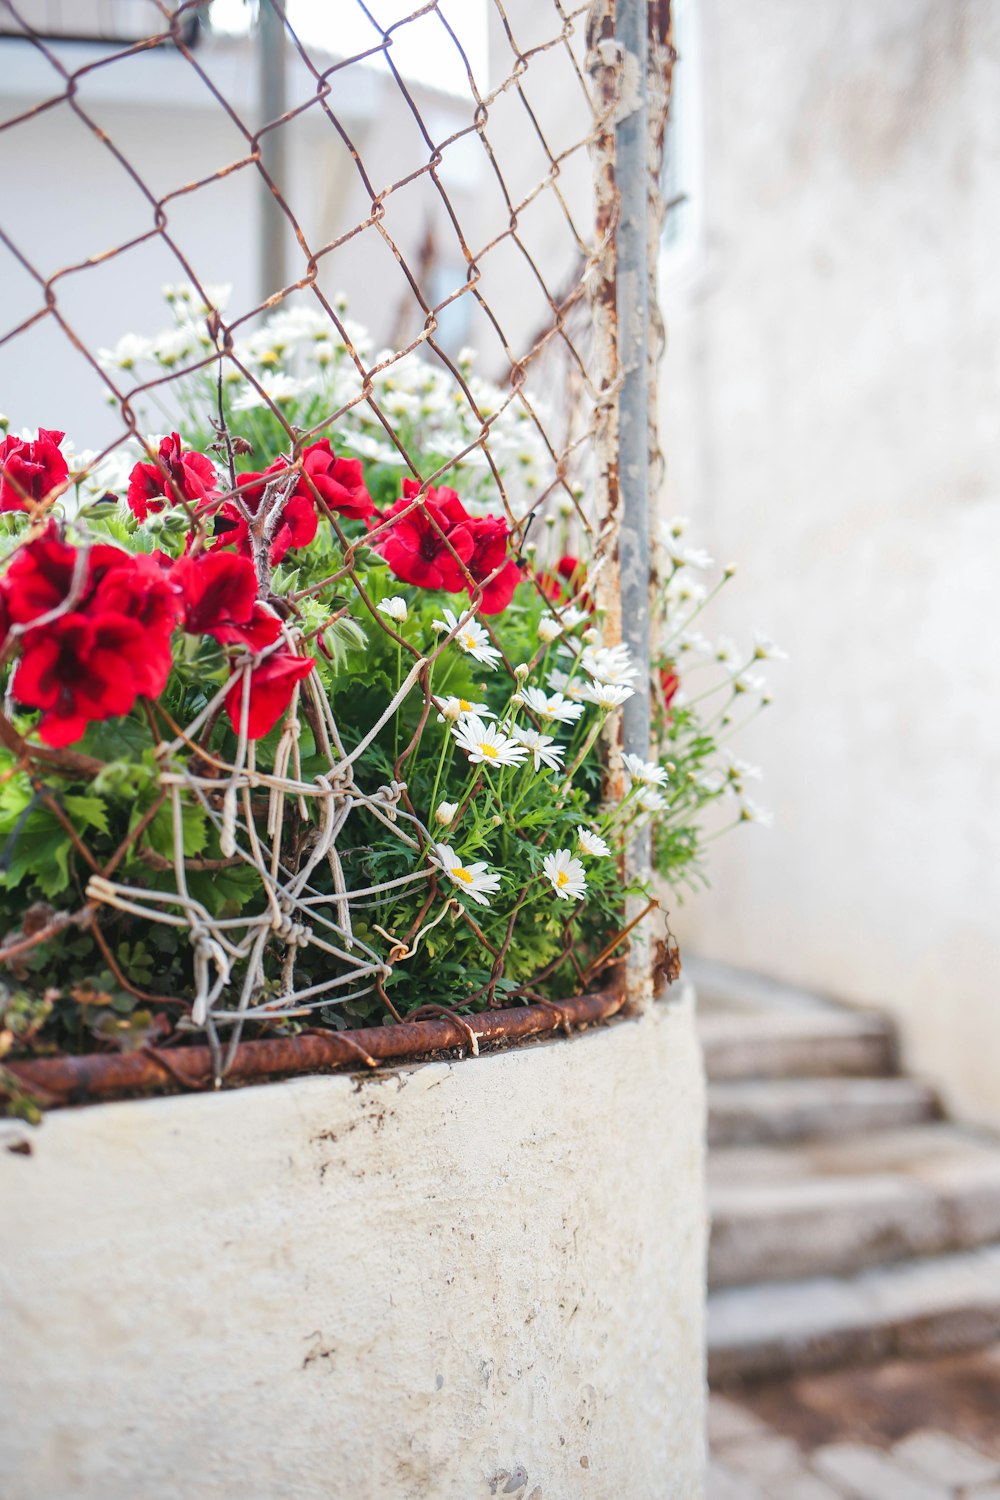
{"x":61,"y":1081}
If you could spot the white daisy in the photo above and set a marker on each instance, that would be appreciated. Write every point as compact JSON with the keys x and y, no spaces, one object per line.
{"x":751,"y":813}
{"x":611,"y":664}
{"x":542,"y":747}
{"x":561,"y":682}
{"x":606,"y":695}
{"x":749,"y":682}
{"x":566,"y":875}
{"x":572,"y":616}
{"x":475,"y":879}
{"x":445,"y":812}
{"x":276,"y":388}
{"x":485,"y":744}
{"x":693,"y":557}
{"x":454,"y":709}
{"x":651,"y":801}
{"x":394,"y":607}
{"x":644,"y":772}
{"x":554,"y":707}
{"x":549,"y":630}
{"x":169,"y":348}
{"x":591,"y":843}
{"x":742,"y":770}
{"x":764,"y":649}
{"x":129,"y":351}
{"x":471,"y":637}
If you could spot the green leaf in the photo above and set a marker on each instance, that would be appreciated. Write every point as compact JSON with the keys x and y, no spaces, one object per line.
{"x":86,"y":812}
{"x":194,"y":824}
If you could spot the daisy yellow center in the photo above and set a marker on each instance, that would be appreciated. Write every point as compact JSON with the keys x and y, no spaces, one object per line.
{"x":465,"y":705}
{"x":562,"y":879}
{"x":462,"y":874}
{"x":488,"y":750}
{"x":468,"y":641}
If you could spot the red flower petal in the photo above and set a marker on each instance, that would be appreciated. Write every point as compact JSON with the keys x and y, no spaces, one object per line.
{"x":272,"y":684}
{"x":31,"y":469}
{"x":219,"y":590}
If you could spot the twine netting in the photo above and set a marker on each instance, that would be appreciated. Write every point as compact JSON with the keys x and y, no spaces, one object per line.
{"x":436,"y":304}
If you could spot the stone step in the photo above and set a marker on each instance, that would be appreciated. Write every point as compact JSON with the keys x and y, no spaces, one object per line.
{"x":786,"y":1044}
{"x":745,"y":1112}
{"x":835,"y":1206}
{"x":725,"y":988}
{"x":912,"y":1309}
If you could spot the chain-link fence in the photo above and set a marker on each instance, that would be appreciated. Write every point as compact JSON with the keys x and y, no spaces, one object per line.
{"x":402,"y":457}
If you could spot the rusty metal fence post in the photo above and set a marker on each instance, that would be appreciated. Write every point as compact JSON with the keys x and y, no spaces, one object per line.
{"x":629,"y":58}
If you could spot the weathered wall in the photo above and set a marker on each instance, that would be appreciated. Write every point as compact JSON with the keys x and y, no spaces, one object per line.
{"x":428,"y":1283}
{"x":832,"y":409}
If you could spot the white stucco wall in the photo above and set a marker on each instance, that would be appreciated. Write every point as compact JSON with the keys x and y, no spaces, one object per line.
{"x":832,"y":416}
{"x":452,"y":1280}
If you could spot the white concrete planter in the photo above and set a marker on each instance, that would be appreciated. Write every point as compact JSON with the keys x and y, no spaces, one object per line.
{"x":435,"y":1283}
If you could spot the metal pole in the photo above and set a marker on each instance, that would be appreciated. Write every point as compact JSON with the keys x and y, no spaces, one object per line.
{"x":273,"y":103}
{"x":632,"y":178}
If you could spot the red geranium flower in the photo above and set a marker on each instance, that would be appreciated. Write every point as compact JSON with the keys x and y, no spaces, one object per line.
{"x":39,"y":576}
{"x":78,"y":669}
{"x":490,"y":535}
{"x":31,"y":470}
{"x":219,"y":593}
{"x":338,"y":481}
{"x":420,"y":546}
{"x":669,"y":683}
{"x":272,"y":684}
{"x":566,"y":583}
{"x":178,"y":474}
{"x":110,"y":647}
{"x":139,"y":587}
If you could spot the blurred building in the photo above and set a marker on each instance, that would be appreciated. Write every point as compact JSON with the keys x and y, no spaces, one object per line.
{"x":832,"y":418}
{"x":178,"y":157}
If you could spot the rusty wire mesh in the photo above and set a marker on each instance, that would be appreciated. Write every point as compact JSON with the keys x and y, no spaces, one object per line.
{"x":466,"y":233}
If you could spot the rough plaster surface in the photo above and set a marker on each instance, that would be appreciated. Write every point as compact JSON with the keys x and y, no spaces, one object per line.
{"x":832,"y":419}
{"x":449,"y":1281}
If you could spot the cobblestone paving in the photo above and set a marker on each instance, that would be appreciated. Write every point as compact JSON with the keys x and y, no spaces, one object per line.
{"x":908,"y":1430}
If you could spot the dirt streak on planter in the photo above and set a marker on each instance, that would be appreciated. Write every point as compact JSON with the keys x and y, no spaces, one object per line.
{"x":71,"y":1080}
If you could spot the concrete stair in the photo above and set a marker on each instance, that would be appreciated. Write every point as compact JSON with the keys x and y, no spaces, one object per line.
{"x":761,"y":1110}
{"x":850,"y":1222}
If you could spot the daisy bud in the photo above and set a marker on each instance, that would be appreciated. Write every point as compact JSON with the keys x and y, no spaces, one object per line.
{"x":4,"y":422}
{"x":445,"y":813}
{"x":549,"y":630}
{"x":590,"y":635}
{"x":496,"y":820}
{"x":729,"y":570}
{"x":565,"y":507}
{"x":522,"y":671}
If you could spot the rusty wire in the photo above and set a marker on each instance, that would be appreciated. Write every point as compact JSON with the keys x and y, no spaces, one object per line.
{"x":572,"y":350}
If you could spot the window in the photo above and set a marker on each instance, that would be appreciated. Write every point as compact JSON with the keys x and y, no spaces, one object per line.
{"x":681,"y":177}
